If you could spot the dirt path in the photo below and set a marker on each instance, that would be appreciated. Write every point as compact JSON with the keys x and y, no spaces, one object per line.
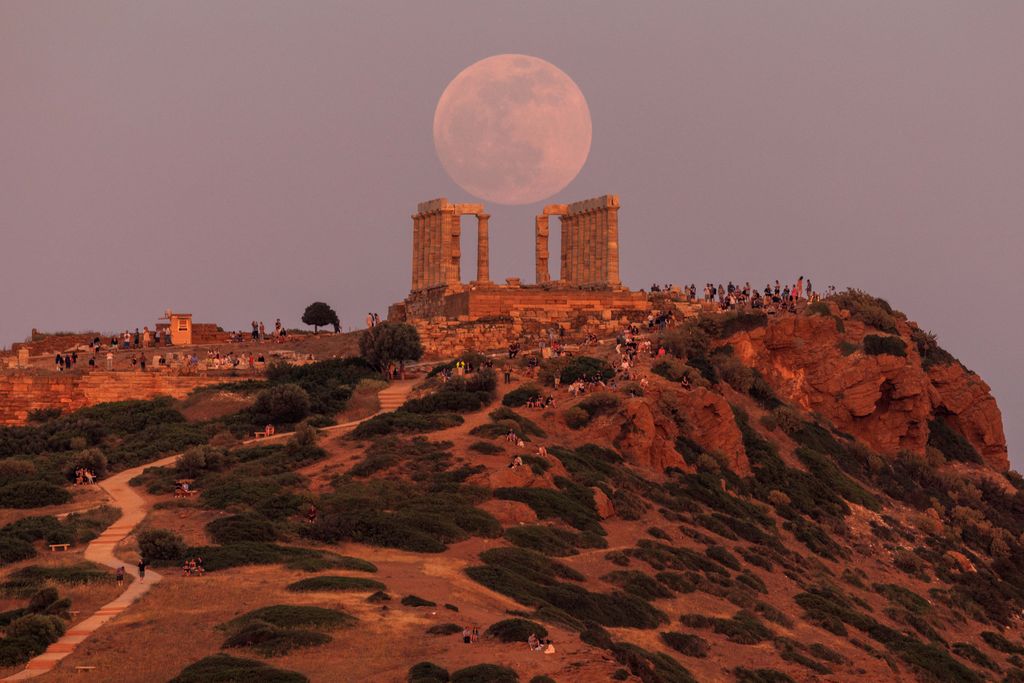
{"x":133,"y":510}
{"x":101,"y":551}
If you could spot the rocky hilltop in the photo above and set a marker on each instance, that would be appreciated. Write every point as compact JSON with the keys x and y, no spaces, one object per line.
{"x":819,"y":495}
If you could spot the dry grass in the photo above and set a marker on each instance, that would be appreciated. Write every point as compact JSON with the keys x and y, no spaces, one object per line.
{"x":175,"y":624}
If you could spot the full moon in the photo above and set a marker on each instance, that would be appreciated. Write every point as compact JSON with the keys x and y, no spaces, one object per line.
{"x":512,"y":129}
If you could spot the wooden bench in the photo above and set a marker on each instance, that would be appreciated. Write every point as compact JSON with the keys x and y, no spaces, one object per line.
{"x":259,"y":435}
{"x":81,"y":668}
{"x":62,"y":546}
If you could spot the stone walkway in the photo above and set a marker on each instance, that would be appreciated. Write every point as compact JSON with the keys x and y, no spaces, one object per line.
{"x":133,"y":511}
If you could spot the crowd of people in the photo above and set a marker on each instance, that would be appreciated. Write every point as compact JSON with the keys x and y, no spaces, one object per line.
{"x":84,"y":475}
{"x":773,"y":298}
{"x":193,"y":567}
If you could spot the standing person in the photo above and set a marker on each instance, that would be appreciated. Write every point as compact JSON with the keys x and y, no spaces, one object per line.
{"x":508,"y":373}
{"x":120,"y":576}
{"x":142,"y":568}
{"x":138,"y":338}
{"x":147,"y":338}
{"x":369,"y":320}
{"x":110,"y":360}
{"x":255,"y":330}
{"x":142,"y":362}
{"x":60,"y":363}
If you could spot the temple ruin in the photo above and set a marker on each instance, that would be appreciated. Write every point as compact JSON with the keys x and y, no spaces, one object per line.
{"x":588,"y":293}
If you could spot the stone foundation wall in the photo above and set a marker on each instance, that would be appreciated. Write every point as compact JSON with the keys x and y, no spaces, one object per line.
{"x":488,"y":318}
{"x":23,"y":392}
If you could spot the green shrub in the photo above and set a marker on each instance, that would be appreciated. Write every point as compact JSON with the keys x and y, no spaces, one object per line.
{"x":378,"y":598}
{"x":743,"y":627}
{"x":427,"y":672}
{"x":929,"y":349}
{"x":999,"y":642}
{"x":576,"y":418}
{"x":39,"y":629}
{"x":270,"y":640}
{"x":520,"y":395}
{"x":417,"y":601}
{"x":574,"y":505}
{"x":548,"y":540}
{"x":241,"y":528}
{"x":161,"y":545}
{"x":951,"y":443}
{"x":222,"y":668}
{"x":585,"y":367}
{"x":401,"y":422}
{"x":443,"y":629}
{"x":723,"y":557}
{"x":973,"y":654}
{"x":218,"y":557}
{"x":515,"y":630}
{"x":532,"y":579}
{"x":689,"y":645}
{"x":875,"y":345}
{"x":523,"y":424}
{"x":637,"y":583}
{"x":744,"y":675}
{"x":27,"y":580}
{"x":601,"y":403}
{"x":486,"y":448}
{"x":32,"y":494}
{"x":282,"y":404}
{"x":868,"y":309}
{"x":485,"y":673}
{"x":13,"y":549}
{"x":336,"y":583}
{"x":296,"y":616}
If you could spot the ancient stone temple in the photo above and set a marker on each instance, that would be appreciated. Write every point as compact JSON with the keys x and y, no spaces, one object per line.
{"x":453,"y":315}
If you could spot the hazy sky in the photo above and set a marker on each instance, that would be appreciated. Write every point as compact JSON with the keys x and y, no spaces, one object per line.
{"x":242,"y":159}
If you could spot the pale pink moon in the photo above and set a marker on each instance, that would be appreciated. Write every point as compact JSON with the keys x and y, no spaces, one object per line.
{"x":512,"y":129}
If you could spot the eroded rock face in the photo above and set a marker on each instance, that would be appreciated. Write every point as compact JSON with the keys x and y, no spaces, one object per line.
{"x":647,"y":439}
{"x":509,"y":512}
{"x":885,"y":401}
{"x":710,"y":422}
{"x":603,"y":504}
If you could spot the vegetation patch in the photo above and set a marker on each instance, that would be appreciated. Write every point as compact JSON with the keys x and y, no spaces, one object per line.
{"x":222,"y":668}
{"x":485,"y":673}
{"x":515,"y":630}
{"x":688,"y":644}
{"x":875,"y":345}
{"x":336,"y":583}
{"x":536,"y":580}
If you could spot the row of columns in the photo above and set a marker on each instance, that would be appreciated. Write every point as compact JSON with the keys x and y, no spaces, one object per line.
{"x":436,"y":243}
{"x":590,"y":242}
{"x":589,"y":252}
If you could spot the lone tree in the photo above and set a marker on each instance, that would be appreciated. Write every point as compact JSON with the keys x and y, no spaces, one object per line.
{"x":318,"y":314}
{"x":388,"y":343}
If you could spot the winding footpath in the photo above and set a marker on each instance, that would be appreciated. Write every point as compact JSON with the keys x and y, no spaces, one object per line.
{"x":134,"y":509}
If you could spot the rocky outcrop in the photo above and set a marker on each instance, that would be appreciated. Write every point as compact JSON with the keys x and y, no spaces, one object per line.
{"x":647,"y":437}
{"x":509,"y":512}
{"x":885,"y":401}
{"x":603,"y":504}
{"x":709,"y":421}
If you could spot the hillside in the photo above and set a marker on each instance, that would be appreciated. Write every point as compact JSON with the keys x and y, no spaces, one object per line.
{"x":819,"y":496}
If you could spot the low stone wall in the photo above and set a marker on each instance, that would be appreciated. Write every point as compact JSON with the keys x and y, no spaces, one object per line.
{"x":23,"y":392}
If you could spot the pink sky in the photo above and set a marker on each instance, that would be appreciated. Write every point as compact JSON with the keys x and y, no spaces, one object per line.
{"x":242,"y":159}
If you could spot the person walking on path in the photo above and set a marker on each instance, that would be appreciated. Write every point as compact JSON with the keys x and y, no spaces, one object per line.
{"x":120,"y":576}
{"x":142,"y":569}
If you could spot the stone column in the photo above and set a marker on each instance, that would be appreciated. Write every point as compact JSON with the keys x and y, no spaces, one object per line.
{"x":453,"y":276}
{"x":541,"y":230}
{"x":601,"y":239}
{"x":417,"y":248}
{"x":590,"y":256}
{"x":430,"y":242}
{"x":483,"y":266}
{"x":612,"y":220}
